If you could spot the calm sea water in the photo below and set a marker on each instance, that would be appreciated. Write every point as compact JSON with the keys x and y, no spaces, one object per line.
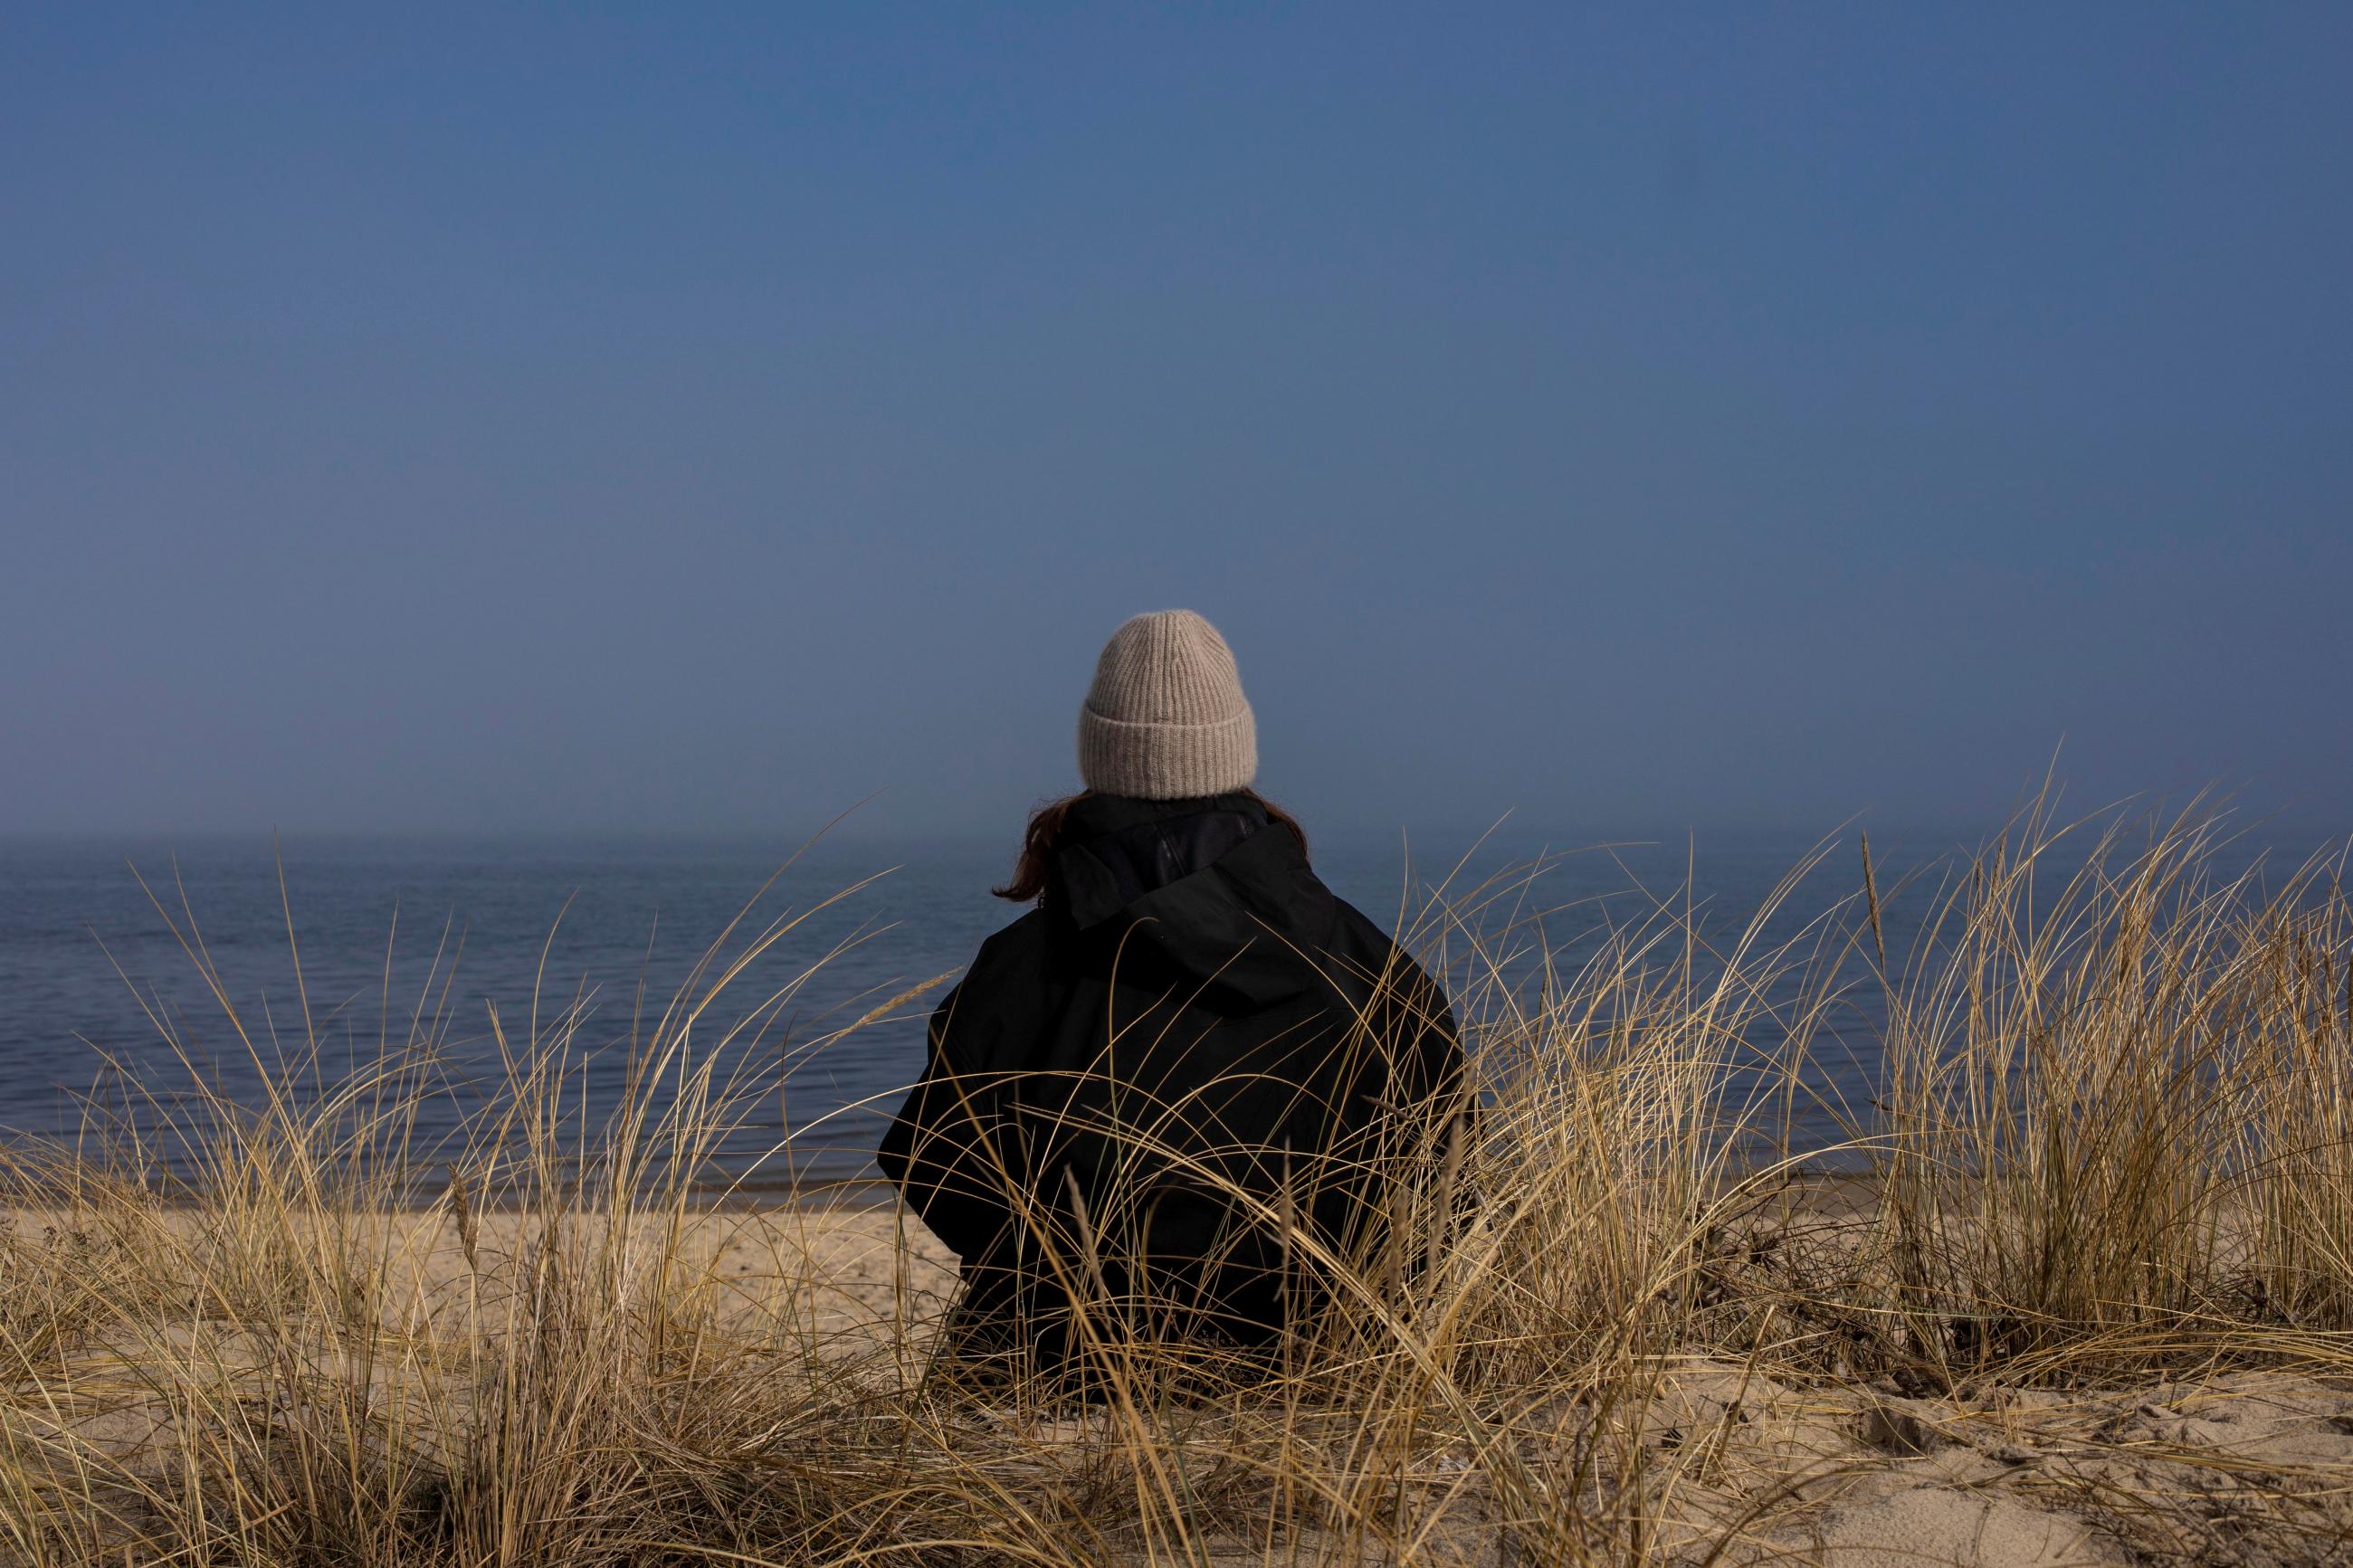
{"x":386,"y":927}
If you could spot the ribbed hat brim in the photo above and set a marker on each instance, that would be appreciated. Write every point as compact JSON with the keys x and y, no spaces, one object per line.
{"x":1167,"y":762}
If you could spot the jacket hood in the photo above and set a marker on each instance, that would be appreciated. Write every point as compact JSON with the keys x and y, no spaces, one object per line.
{"x":1206,"y":892}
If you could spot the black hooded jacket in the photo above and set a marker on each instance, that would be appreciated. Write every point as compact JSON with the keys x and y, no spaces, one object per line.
{"x":1191,"y":1054}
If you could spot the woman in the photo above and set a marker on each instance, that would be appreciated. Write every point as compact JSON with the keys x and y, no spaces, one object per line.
{"x":1190,"y":1091}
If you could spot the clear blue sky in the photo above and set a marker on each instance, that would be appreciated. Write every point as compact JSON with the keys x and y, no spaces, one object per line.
{"x":700,"y":417}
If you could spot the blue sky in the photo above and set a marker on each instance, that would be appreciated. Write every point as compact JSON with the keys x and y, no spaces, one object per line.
{"x":701,"y":419}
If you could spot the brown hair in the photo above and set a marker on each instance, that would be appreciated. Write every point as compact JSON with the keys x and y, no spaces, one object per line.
{"x":1044,"y":836}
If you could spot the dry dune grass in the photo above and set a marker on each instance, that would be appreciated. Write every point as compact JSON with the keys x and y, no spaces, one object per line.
{"x":2081,"y":1291}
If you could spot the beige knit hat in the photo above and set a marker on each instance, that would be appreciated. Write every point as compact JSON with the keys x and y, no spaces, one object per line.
{"x":1166,"y":719}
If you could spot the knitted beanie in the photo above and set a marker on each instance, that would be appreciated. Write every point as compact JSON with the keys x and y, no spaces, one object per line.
{"x":1166,"y":719}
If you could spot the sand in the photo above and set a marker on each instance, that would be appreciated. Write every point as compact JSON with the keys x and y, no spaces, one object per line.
{"x":2241,"y":1466}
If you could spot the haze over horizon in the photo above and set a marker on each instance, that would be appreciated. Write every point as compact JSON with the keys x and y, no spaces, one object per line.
{"x":454,"y":422}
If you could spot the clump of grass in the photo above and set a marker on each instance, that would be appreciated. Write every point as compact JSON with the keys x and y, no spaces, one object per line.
{"x":2113,"y":1106}
{"x":2111,"y":1141}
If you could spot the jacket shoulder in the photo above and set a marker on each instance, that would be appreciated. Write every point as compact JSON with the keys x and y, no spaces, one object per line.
{"x":1365,"y":936}
{"x":999,"y":993}
{"x":1374,"y":954}
{"x":1009,"y":949}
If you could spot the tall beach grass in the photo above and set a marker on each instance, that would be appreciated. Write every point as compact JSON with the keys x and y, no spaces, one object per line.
{"x":2112,"y":1140}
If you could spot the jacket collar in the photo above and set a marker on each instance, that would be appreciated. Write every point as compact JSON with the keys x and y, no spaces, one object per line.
{"x":1093,"y":815}
{"x":1119,"y":850}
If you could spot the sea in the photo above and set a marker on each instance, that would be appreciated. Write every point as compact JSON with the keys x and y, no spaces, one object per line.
{"x":122,"y":961}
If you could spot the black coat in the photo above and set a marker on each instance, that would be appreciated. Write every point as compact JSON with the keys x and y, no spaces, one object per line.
{"x":1184,"y":1085}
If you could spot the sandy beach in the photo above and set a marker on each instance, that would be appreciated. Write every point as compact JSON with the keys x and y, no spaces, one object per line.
{"x":2235,"y":1464}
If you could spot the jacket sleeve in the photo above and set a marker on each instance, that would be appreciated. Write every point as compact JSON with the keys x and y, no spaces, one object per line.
{"x":1423,"y":1043}
{"x":946,"y":1149}
{"x":1437,"y":1104}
